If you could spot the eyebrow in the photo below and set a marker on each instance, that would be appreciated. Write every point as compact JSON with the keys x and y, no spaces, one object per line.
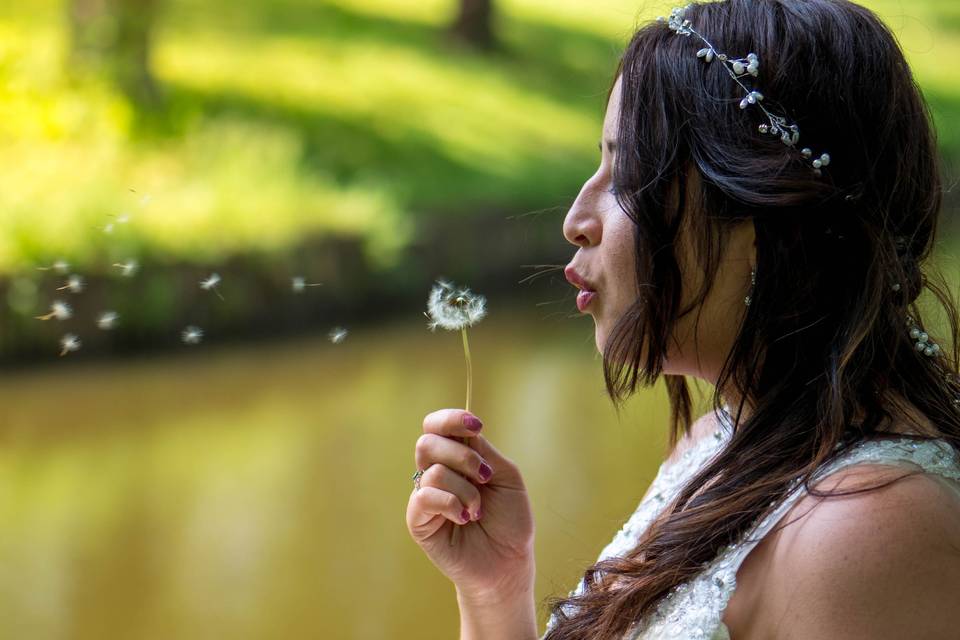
{"x":611,"y":146}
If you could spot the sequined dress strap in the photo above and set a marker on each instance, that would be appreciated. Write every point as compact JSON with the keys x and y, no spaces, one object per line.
{"x":695,"y":609}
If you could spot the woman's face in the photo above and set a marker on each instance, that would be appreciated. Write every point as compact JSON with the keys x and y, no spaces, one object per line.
{"x":605,"y":264}
{"x":603,"y":232}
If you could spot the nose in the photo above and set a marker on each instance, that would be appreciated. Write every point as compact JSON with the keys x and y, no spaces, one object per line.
{"x":582,"y":226}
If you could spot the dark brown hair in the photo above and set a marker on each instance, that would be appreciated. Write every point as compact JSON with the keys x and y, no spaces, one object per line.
{"x":825,"y":339}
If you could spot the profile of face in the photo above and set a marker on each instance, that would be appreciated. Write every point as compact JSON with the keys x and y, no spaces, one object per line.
{"x":605,"y":264}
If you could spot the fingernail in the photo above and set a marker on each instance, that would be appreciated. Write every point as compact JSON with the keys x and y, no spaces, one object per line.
{"x":479,"y":513}
{"x":472,"y":422}
{"x":465,"y":516}
{"x":485,"y":471}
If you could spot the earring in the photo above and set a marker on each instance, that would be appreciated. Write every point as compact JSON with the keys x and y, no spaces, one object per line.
{"x":753,"y":282}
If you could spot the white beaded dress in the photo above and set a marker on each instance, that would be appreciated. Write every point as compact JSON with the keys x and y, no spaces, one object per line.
{"x":694,"y":609}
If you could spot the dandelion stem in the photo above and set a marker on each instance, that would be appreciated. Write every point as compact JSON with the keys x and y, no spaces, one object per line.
{"x":455,"y":532}
{"x":466,"y":353}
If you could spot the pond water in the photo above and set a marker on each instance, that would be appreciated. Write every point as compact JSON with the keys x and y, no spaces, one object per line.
{"x":260,"y":491}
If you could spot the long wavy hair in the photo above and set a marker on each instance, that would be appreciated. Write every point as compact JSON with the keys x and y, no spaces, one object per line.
{"x":825,"y":339}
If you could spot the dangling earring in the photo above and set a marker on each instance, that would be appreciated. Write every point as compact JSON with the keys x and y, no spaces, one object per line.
{"x":753,"y":283}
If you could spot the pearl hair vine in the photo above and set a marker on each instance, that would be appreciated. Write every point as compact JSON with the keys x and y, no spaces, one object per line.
{"x":778,"y":125}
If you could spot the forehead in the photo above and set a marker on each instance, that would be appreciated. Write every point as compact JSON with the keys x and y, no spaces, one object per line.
{"x":613,"y":110}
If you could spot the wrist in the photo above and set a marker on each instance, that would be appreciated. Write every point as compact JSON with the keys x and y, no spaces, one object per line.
{"x":509,"y":588}
{"x":495,"y":616}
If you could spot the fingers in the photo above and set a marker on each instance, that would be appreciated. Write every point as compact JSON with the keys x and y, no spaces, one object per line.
{"x":429,"y":502}
{"x":452,"y":423}
{"x":436,"y":449}
{"x":444,"y":478}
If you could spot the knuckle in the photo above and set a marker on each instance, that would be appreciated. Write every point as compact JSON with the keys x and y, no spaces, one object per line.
{"x":425,"y":497}
{"x":423,"y":444}
{"x":432,"y":475}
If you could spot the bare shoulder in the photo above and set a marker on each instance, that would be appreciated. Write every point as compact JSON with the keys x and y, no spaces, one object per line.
{"x":880,"y":564}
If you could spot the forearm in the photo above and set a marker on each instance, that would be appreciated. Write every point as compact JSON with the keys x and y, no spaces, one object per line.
{"x":514,"y":619}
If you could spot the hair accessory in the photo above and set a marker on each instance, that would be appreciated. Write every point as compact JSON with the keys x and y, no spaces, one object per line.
{"x":753,"y":283}
{"x":924,"y":344}
{"x":737,"y":68}
{"x":929,"y":348}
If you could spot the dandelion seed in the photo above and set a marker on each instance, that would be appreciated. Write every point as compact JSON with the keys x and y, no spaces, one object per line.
{"x":337,"y":335}
{"x":108,"y":228}
{"x":60,"y":266}
{"x":59,"y":310}
{"x":68,"y":343}
{"x":74,"y":284}
{"x":123,"y":218}
{"x":453,"y":309}
{"x":107,"y":320}
{"x":210,"y":284}
{"x":192,"y":335}
{"x":299,"y":283}
{"x":128,"y":268}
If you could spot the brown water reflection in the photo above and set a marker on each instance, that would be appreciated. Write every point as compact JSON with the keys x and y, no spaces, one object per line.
{"x":260,"y":492}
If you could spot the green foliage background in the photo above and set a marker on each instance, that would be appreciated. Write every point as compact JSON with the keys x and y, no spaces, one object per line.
{"x":288,"y":121}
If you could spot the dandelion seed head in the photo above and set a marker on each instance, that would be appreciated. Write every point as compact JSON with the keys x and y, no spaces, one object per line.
{"x":192,"y":335}
{"x":68,"y":343}
{"x":107,"y":320}
{"x":128,"y":268}
{"x":452,"y":308}
{"x":210,"y":282}
{"x":299,"y":284}
{"x":60,"y":310}
{"x":337,"y":335}
{"x":74,"y":284}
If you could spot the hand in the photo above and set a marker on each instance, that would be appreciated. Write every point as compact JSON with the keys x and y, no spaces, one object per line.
{"x":493,"y":558}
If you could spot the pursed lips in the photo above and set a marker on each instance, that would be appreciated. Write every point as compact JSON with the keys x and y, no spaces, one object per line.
{"x":587,"y":292}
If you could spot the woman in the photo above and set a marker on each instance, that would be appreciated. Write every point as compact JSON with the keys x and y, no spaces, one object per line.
{"x":767,"y":197}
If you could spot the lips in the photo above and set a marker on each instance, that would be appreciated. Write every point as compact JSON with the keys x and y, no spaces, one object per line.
{"x":587,"y":290}
{"x":584,"y":298}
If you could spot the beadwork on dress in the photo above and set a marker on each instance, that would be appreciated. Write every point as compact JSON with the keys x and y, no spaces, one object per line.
{"x":695,"y":608}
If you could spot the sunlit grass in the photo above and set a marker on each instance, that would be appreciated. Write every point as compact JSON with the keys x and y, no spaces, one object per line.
{"x":296,"y":118}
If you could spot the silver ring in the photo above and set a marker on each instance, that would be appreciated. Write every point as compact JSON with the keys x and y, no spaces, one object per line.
{"x":416,"y":479}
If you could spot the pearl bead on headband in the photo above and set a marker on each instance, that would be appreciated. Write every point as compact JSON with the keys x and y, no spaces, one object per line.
{"x":737,"y":68}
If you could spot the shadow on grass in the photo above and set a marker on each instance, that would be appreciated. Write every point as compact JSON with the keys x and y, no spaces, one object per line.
{"x":559,"y":63}
{"x":422,"y":172}
{"x":565,"y":66}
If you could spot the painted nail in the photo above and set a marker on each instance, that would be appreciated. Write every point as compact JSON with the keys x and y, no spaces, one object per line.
{"x":465,"y":516}
{"x":485,"y":471}
{"x":472,"y":422}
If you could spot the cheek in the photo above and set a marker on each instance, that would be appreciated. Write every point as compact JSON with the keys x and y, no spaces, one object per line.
{"x":623,"y":263}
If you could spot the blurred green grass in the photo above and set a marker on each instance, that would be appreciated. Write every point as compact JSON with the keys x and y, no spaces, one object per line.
{"x":294,"y":118}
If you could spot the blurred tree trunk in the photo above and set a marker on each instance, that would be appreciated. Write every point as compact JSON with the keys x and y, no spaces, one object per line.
{"x":474,"y":24}
{"x":113,"y":38}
